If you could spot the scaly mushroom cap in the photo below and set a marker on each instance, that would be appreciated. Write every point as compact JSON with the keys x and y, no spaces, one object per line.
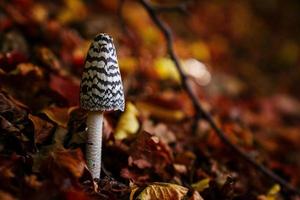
{"x":101,"y":84}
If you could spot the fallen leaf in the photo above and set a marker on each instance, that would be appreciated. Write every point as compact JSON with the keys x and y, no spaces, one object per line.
{"x":160,"y":112}
{"x":66,"y":87}
{"x":163,"y":191}
{"x":128,"y":123}
{"x":42,"y":129}
{"x":28,"y":69}
{"x":59,"y":115}
{"x":74,"y":10}
{"x":62,"y":164}
{"x":201,"y":185}
{"x":48,"y":58}
{"x":148,"y":152}
{"x":166,"y":69}
{"x":272,"y":193}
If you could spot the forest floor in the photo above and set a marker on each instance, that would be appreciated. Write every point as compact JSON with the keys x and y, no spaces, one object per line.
{"x":245,"y":77}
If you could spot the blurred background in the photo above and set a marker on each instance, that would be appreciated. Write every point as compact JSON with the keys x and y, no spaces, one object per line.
{"x":242,"y":58}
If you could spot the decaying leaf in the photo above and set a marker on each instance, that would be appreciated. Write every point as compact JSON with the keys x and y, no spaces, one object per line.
{"x":148,"y":153}
{"x":245,"y":77}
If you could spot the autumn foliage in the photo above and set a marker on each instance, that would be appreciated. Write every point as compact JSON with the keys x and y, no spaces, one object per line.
{"x":242,"y":62}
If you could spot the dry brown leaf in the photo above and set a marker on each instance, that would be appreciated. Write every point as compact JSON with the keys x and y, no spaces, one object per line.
{"x":66,"y":87}
{"x":149,"y":151}
{"x":59,"y":115}
{"x":42,"y":129}
{"x":163,"y":191}
{"x":63,"y":163}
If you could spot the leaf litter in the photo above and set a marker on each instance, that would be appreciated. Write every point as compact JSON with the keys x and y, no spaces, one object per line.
{"x":155,"y":149}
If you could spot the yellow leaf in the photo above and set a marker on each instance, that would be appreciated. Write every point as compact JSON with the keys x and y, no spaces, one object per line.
{"x":272,"y":193}
{"x":166,"y":69}
{"x":150,"y":35}
{"x":128,"y":123}
{"x":274,"y":190}
{"x":201,"y":185}
{"x":160,"y":112}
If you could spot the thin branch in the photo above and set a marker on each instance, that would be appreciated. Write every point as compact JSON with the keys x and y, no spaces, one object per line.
{"x":181,"y":8}
{"x":198,"y":107}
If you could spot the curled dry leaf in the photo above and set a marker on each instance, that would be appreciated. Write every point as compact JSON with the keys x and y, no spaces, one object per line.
{"x":163,"y":191}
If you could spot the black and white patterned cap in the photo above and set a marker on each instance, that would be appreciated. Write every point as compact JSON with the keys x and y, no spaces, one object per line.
{"x":101,"y":86}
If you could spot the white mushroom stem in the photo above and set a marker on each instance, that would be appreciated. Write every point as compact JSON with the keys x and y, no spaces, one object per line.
{"x":94,"y":142}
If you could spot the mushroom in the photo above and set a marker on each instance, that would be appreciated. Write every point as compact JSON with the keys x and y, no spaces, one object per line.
{"x":100,"y":90}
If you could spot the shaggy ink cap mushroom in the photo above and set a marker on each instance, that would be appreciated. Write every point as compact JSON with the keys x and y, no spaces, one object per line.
{"x":100,"y":90}
{"x":101,"y":85}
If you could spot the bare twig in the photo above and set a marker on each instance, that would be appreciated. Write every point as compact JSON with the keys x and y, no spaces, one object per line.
{"x":201,"y":113}
{"x":181,"y":8}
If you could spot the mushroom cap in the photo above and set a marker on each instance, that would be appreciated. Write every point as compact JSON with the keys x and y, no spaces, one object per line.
{"x":101,"y":86}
